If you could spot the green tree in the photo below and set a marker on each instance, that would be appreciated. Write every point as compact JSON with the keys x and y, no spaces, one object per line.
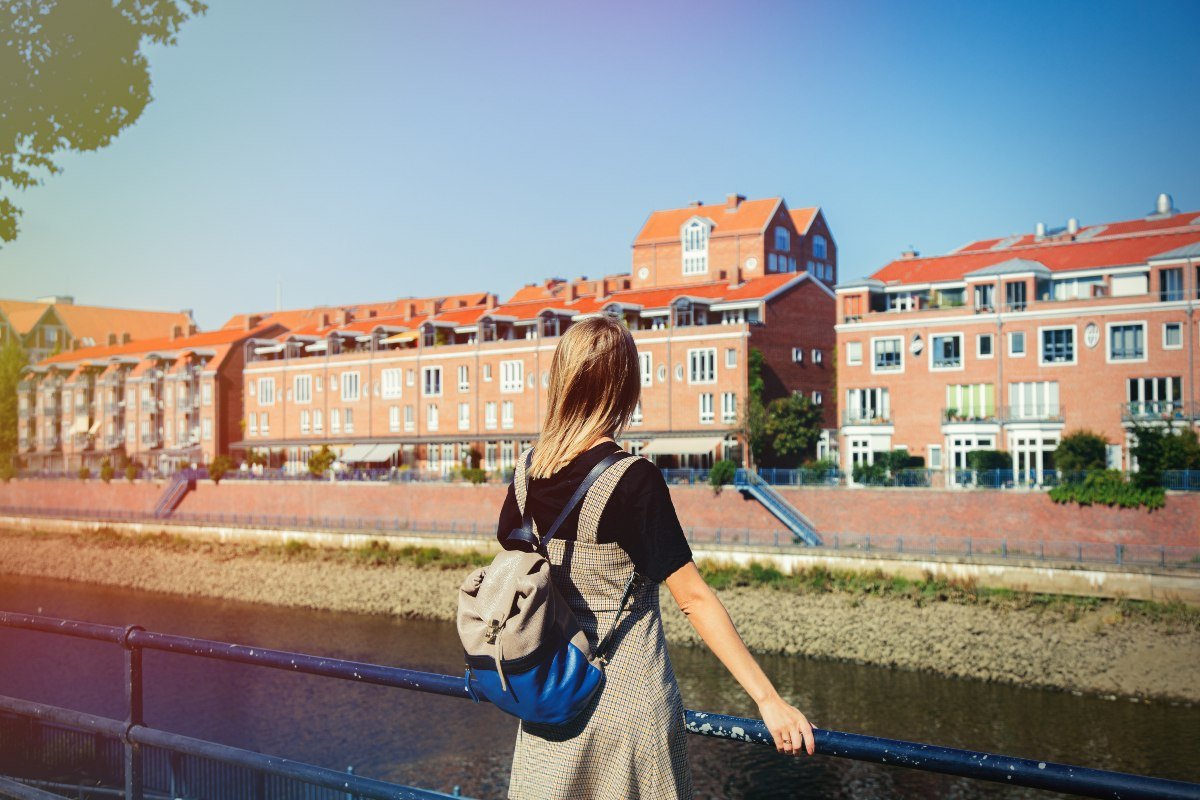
{"x":106,"y":469}
{"x":793,"y":427}
{"x":12,"y":359}
{"x":754,"y":416}
{"x":1158,"y":448}
{"x":986,"y":460}
{"x":1081,"y":451}
{"x":219,"y":467}
{"x":320,"y":461}
{"x":721,"y":474}
{"x":72,"y":77}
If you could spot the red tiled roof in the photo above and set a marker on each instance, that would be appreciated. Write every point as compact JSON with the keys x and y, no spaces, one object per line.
{"x":1092,"y":232}
{"x":212,"y":339}
{"x":95,"y":322}
{"x":461,"y":316}
{"x":1096,"y":253}
{"x":750,"y":216}
{"x":803,"y":217}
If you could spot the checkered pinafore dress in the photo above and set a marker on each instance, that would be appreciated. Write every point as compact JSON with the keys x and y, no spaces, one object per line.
{"x":630,"y":741}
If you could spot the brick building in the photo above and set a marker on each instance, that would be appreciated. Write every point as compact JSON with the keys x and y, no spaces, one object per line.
{"x":166,"y":401}
{"x":431,"y":382}
{"x":1008,"y":343}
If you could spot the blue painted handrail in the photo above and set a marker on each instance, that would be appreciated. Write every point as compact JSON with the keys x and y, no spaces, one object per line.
{"x":914,"y":755}
{"x":800,"y":525}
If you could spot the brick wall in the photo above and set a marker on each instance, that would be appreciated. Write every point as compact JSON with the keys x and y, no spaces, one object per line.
{"x":993,"y":514}
{"x":120,"y":495}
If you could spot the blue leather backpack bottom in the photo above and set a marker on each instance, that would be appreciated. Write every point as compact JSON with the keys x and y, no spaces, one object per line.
{"x":554,"y":690}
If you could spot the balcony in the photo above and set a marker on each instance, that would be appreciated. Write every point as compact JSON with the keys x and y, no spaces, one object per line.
{"x":81,"y":441}
{"x":1159,"y":411}
{"x":113,"y":408}
{"x":150,"y":407}
{"x":961,"y":415}
{"x":151,"y":440}
{"x":1033,"y":412}
{"x":51,"y":442}
{"x":113,"y":442}
{"x":82,"y":407}
{"x":866,"y":416}
{"x":25,"y":413}
{"x":51,"y":409}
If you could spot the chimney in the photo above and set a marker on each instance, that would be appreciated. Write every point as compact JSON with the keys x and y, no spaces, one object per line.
{"x":1073,"y":226}
{"x":695,"y":204}
{"x":125,"y":337}
{"x":372,"y":312}
{"x":176,"y":332}
{"x":911,"y":252}
{"x":325,"y":319}
{"x":110,"y":338}
{"x":1039,"y":230}
{"x":192,"y":329}
{"x":252,"y":321}
{"x":490,"y":300}
{"x":410,"y":309}
{"x":345,"y":317}
{"x":732,"y":201}
{"x":432,"y":306}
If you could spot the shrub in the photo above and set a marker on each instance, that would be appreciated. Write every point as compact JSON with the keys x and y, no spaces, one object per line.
{"x":985,"y":460}
{"x":106,"y":470}
{"x":131,"y":471}
{"x":219,"y":467}
{"x":8,"y":471}
{"x":320,"y":461}
{"x":475,"y":475}
{"x":1109,"y":488}
{"x":870,"y":474}
{"x":1081,"y":451}
{"x":84,"y":473}
{"x":1158,"y":449}
{"x":721,"y":473}
{"x":820,"y":465}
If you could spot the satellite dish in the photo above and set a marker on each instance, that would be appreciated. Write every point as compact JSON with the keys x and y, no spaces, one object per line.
{"x":751,"y":264}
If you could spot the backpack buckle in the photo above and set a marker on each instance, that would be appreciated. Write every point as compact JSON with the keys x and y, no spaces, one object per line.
{"x":492,"y":631}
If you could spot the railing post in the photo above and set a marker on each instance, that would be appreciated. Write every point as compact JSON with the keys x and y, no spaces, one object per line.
{"x":1162,"y":555}
{"x":1004,"y":548}
{"x":133,"y":715}
{"x":1120,"y":554}
{"x":1079,"y":552}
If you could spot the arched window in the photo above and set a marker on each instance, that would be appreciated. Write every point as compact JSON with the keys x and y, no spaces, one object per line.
{"x":783,"y":239}
{"x":694,"y":240}
{"x":683,"y":312}
{"x":819,"y":249}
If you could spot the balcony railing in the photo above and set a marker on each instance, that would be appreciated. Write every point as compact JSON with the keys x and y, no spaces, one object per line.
{"x":25,"y":413}
{"x":952,"y":415}
{"x":866,"y":417}
{"x":113,"y":408}
{"x":151,"y":440}
{"x":1035,"y":412}
{"x":113,"y":442}
{"x":51,"y":442}
{"x":1159,"y":410}
{"x":150,"y":406}
{"x":81,"y":441}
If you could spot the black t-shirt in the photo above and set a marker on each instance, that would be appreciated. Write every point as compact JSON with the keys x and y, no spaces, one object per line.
{"x":639,"y":515}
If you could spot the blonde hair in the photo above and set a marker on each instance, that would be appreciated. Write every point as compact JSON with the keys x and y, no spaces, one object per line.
{"x":594,"y":388}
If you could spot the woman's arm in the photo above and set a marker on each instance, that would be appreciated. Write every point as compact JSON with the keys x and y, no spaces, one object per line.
{"x":789,"y":728}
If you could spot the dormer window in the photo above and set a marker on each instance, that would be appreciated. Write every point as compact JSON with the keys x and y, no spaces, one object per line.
{"x":783,"y":239}
{"x":487,"y":330}
{"x":688,"y":313}
{"x":428,"y":335}
{"x":550,"y":325}
{"x":694,"y":240}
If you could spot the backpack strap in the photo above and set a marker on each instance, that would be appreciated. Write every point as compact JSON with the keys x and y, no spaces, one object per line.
{"x":526,"y":532}
{"x":597,"y":499}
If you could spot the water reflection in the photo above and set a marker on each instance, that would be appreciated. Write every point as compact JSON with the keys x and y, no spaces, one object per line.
{"x":442,"y":742}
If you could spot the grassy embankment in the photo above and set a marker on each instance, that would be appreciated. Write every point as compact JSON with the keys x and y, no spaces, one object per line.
{"x":817,"y":580}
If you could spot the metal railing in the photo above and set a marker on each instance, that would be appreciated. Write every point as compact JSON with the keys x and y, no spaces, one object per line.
{"x":866,"y":417}
{"x":135,"y":734}
{"x":952,"y":415}
{"x":1033,"y":412}
{"x":1159,"y":411}
{"x":800,"y":525}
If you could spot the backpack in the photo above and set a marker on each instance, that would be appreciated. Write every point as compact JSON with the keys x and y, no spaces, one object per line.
{"x":523,"y":647}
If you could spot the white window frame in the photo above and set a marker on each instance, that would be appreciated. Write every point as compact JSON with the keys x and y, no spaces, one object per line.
{"x":206,"y":393}
{"x":302,"y":389}
{"x":489,"y":415}
{"x":427,"y":374}
{"x":335,"y":420}
{"x":348,"y":420}
{"x":1024,"y":344}
{"x":507,"y":414}
{"x":410,"y":418}
{"x":410,"y":377}
{"x":1041,"y":342}
{"x":464,"y":378}
{"x":728,"y":407}
{"x":432,"y":417}
{"x":318,"y":420}
{"x":853,"y":360}
{"x":707,"y":410}
{"x":962,"y":351}
{"x":512,"y":376}
{"x":464,"y":416}
{"x":979,"y":337}
{"x":693,"y":247}
{"x":1177,"y":326}
{"x":637,"y":418}
{"x":646,"y":364}
{"x":875,"y":369}
{"x":305,"y":426}
{"x":797,"y":355}
{"x":266,"y":391}
{"x":351,"y":386}
{"x":817,"y":398}
{"x":696,"y":358}
{"x":393,"y":419}
{"x":730,"y":358}
{"x":817,"y":356}
{"x":393,"y":383}
{"x":1108,"y":353}
{"x":487,"y":373}
{"x":206,"y":429}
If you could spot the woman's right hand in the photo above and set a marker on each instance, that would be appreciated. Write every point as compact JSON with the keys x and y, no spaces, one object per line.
{"x":789,"y":728}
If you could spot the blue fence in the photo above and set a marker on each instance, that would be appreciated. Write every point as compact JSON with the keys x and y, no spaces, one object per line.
{"x":135,"y":735}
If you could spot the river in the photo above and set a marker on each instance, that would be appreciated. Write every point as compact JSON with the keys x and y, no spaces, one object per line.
{"x":440,"y":743}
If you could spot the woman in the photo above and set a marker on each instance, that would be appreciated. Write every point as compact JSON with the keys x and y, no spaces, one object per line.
{"x":630,"y":742}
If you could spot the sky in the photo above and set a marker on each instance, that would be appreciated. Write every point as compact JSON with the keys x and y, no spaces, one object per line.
{"x":360,"y":151}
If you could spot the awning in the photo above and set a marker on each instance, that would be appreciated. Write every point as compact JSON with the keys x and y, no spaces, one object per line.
{"x":682,"y":446}
{"x":268,"y":348}
{"x":80,"y":425}
{"x":406,"y":336}
{"x":355,"y":453}
{"x":380,"y":453}
{"x":95,"y":427}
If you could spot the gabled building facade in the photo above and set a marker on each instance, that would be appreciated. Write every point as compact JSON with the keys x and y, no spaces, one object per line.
{"x":1008,"y":343}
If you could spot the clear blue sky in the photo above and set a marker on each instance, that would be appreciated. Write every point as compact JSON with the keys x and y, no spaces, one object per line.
{"x":367,"y":150}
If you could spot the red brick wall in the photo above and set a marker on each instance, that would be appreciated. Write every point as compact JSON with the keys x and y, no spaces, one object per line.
{"x":987,"y":514}
{"x":120,"y":495}
{"x":802,"y":317}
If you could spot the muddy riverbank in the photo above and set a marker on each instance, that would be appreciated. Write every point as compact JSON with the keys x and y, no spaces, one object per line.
{"x":1094,"y":648}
